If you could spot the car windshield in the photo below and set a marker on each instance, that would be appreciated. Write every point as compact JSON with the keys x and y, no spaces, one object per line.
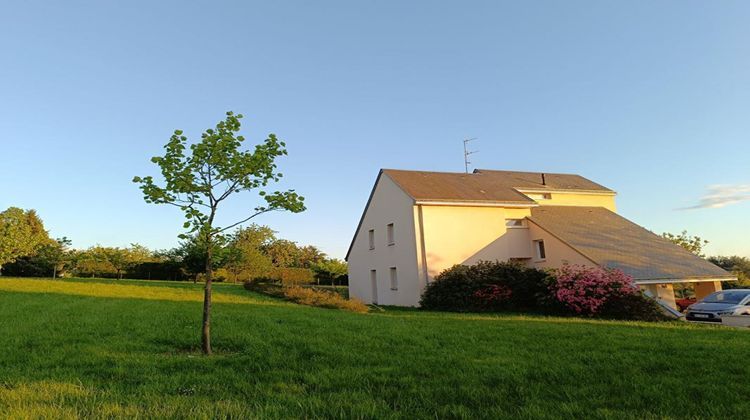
{"x":726,"y":297}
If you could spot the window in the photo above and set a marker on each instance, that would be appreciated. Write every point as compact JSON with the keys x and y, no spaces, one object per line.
{"x":372,"y":238}
{"x":389,"y":234}
{"x":541,"y":253}
{"x":394,"y":279}
{"x":515,"y":223}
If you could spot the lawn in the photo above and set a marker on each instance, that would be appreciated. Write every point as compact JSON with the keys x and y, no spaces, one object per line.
{"x":107,"y":348}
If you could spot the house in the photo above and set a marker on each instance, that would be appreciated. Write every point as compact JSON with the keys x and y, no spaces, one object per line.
{"x":416,"y":224}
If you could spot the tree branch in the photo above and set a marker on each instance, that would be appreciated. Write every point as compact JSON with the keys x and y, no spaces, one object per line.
{"x":245,"y":220}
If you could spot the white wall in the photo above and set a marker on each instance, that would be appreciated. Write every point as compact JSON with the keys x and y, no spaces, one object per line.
{"x":389,"y":204}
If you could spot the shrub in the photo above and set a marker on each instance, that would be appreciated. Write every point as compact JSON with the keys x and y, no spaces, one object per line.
{"x":633,"y":307}
{"x":493,"y":296}
{"x":265,"y":288}
{"x":323,"y":299}
{"x":164,"y":270}
{"x":486,"y":286}
{"x":288,"y":276}
{"x":585,"y":290}
{"x":218,"y":276}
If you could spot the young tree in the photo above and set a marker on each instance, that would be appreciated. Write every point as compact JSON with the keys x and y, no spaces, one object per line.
{"x":200,"y":179}
{"x":56,"y":255}
{"x":123,"y":259}
{"x":21,"y":234}
{"x":95,"y":261}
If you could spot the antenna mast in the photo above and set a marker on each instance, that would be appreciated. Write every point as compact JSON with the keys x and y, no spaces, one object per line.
{"x":467,"y":153}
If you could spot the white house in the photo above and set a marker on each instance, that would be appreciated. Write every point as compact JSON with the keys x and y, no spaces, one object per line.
{"x":417,"y":224}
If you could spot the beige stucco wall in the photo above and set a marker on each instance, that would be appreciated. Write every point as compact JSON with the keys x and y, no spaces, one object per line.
{"x":588,"y":200}
{"x":704,"y":289}
{"x":389,"y":204}
{"x":662,"y":292}
{"x":558,"y":252}
{"x":466,"y":235}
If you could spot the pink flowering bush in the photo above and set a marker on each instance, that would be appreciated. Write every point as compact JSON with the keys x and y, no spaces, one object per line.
{"x":586,"y":290}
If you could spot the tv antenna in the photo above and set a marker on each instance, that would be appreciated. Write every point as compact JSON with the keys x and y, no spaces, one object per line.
{"x":467,"y":153}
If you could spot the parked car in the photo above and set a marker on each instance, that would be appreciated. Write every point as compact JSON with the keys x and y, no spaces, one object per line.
{"x":718,"y":304}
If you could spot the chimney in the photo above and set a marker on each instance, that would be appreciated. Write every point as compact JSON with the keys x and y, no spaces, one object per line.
{"x":544,"y":181}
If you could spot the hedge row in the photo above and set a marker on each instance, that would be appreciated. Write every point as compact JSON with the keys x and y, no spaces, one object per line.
{"x":511,"y":286}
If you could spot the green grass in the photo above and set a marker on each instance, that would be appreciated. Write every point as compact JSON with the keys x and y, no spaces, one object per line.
{"x":103,"y":348}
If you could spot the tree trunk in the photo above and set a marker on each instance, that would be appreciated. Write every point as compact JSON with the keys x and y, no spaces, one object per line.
{"x":206,"y":336}
{"x":54,"y":272}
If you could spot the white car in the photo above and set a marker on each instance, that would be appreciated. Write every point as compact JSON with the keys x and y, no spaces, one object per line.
{"x":718,"y":304}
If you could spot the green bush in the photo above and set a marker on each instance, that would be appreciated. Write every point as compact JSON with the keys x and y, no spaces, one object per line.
{"x":635,"y":307}
{"x":287,"y":276}
{"x":486,"y":286}
{"x":510,"y":286}
{"x":265,"y":288}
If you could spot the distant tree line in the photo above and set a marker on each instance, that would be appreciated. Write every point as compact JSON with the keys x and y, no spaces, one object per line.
{"x":250,"y":253}
{"x":739,"y":266}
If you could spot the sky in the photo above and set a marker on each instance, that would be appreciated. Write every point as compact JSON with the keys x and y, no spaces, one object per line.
{"x":651,"y":99}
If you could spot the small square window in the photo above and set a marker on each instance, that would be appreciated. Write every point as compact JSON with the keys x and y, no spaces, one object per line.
{"x":371,"y":234}
{"x":541,"y":252}
{"x":389,"y":234}
{"x":394,"y":279}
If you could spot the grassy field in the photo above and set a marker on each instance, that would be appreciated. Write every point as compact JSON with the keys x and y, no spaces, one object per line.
{"x":130,"y":349}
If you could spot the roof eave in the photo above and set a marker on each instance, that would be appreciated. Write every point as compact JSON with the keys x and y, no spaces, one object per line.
{"x":685,"y":279}
{"x":476,"y":203}
{"x":565,"y":191}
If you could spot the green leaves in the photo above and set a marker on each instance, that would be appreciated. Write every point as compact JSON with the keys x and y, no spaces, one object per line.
{"x":21,"y":234}
{"x":693,"y":244}
{"x":198,"y":177}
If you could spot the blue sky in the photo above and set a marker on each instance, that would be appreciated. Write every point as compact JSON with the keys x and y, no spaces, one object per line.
{"x":648,"y":98}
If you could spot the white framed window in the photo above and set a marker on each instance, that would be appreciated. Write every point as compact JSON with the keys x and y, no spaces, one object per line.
{"x":394,"y":278}
{"x":515,"y":223}
{"x":541,"y":252}
{"x":371,"y":238}
{"x":389,"y":234}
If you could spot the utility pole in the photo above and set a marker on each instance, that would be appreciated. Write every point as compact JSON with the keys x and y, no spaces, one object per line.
{"x":467,"y":153}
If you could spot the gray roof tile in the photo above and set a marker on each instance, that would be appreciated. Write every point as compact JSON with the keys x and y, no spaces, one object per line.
{"x":613,"y":241}
{"x":486,"y":186}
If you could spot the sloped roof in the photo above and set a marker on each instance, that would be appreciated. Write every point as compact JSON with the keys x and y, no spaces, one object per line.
{"x":613,"y":241}
{"x":485,"y":185}
{"x":533,"y":181}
